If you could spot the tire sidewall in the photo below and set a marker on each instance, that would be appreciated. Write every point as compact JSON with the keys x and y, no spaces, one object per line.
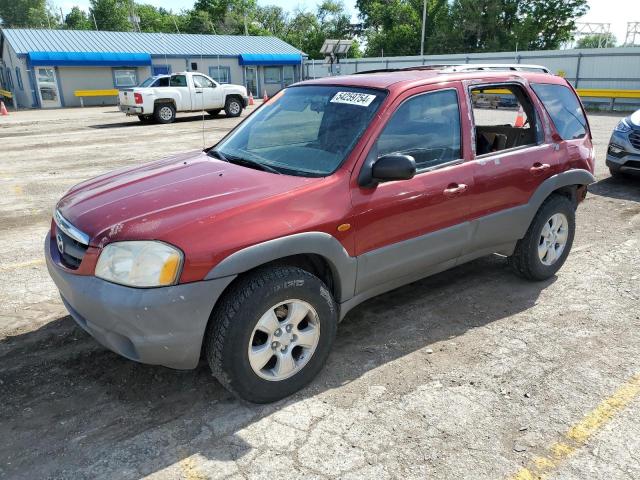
{"x":227,"y":108}
{"x":235,"y":360}
{"x":555,"y":205}
{"x":159,"y":107}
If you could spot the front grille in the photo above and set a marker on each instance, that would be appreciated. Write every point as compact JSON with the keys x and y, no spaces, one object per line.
{"x":634,"y":138}
{"x":68,"y":242}
{"x":72,"y":250}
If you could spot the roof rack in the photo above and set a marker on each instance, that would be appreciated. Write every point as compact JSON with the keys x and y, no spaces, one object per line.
{"x":467,"y":67}
{"x":520,"y":67}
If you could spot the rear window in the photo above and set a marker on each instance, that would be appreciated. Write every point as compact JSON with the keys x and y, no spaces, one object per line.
{"x":564,"y":109}
{"x":178,"y":81}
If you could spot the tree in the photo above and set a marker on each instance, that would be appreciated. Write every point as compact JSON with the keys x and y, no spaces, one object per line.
{"x":598,"y":40}
{"x":547,"y":24}
{"x":28,"y":13}
{"x":77,"y":19}
{"x":112,"y":15}
{"x":154,"y":19}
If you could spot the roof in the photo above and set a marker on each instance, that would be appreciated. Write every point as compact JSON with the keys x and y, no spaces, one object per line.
{"x":415,"y":77}
{"x":24,"y":40}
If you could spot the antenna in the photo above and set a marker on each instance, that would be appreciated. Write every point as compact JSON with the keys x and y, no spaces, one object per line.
{"x":202,"y":96}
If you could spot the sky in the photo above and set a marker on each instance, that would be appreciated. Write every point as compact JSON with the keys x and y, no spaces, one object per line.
{"x":615,"y":12}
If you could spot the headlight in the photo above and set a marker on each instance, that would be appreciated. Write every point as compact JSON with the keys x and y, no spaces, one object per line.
{"x":140,"y":264}
{"x":622,"y":127}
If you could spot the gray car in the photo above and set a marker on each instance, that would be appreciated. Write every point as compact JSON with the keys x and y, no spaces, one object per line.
{"x":623,"y":153}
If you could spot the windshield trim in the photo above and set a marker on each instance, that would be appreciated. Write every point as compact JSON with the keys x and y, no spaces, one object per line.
{"x":312,"y":174}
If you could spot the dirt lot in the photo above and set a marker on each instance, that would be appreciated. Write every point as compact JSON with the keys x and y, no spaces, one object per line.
{"x":472,"y":373}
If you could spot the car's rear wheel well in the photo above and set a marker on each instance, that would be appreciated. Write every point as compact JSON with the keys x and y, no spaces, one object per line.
{"x":568,"y":191}
{"x":162,"y":101}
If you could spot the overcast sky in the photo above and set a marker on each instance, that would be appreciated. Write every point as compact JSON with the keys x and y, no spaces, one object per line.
{"x":615,"y":12}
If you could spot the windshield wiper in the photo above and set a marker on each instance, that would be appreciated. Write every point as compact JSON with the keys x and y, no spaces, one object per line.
{"x":217,"y":154}
{"x":247,"y":162}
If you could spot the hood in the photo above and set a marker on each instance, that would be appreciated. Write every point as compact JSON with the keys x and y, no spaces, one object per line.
{"x":150,"y":201}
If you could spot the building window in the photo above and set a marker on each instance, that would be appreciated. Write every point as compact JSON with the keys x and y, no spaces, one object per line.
{"x":272,"y":75}
{"x":19,"y":78}
{"x":220,"y":74}
{"x":2,"y":85}
{"x":125,"y":77}
{"x":288,"y":73}
{"x":194,"y":66}
{"x":9,"y":80}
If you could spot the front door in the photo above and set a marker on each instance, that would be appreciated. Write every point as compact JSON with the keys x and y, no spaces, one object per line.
{"x":208,"y":94}
{"x":48,"y":87}
{"x":409,"y":228}
{"x":251,"y":80}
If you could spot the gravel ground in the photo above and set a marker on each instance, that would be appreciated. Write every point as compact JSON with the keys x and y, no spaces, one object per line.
{"x":472,"y":373}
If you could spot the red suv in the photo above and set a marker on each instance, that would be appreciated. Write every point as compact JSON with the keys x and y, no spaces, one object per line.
{"x":335,"y":190}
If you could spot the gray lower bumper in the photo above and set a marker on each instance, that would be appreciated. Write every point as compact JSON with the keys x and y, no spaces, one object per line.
{"x":129,"y":110}
{"x":159,"y":326}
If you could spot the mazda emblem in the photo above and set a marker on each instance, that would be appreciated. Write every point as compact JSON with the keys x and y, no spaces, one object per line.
{"x":60,"y":243}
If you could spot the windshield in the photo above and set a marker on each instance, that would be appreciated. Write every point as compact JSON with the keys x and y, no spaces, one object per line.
{"x":305,"y":131}
{"x":148,"y":82}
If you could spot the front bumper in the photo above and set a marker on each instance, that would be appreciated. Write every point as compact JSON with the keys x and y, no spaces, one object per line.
{"x":245,"y":102}
{"x":130,"y":110}
{"x":627,"y":161}
{"x":158,"y":326}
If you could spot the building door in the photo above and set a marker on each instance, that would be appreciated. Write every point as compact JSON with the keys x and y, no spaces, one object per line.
{"x":251,"y":80}
{"x":48,"y":87}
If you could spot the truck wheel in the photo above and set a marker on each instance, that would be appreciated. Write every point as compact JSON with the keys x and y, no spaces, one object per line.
{"x":214,"y":113}
{"x":233,"y":107}
{"x":271,"y":333}
{"x":546,"y":245}
{"x":164,"y":113}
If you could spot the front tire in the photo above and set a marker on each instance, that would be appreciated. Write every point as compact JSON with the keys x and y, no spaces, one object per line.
{"x":164,"y":113}
{"x":271,"y":333}
{"x":546,"y":245}
{"x":233,"y":107}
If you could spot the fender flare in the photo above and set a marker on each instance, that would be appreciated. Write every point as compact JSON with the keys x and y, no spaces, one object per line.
{"x":343,"y":267}
{"x":546,"y":188}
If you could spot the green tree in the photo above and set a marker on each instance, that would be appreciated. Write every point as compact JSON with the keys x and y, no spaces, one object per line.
{"x":154,"y":19}
{"x":112,"y":15}
{"x":77,"y":19}
{"x":598,"y":40}
{"x":28,"y":13}
{"x":547,"y":24}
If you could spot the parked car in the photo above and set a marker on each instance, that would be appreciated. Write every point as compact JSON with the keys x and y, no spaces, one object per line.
{"x":250,"y":252}
{"x":623,"y":153}
{"x":185,"y":92}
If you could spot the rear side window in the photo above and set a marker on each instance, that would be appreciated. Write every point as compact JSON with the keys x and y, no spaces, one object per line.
{"x":178,"y":81}
{"x":427,"y":127}
{"x":564,"y":109}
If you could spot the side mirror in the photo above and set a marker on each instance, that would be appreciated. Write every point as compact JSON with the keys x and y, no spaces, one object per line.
{"x":394,"y":167}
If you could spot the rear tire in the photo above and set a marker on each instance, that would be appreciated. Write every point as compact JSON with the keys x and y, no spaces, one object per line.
{"x":233,"y":107}
{"x":164,"y":113}
{"x":546,"y":245}
{"x":260,"y":343}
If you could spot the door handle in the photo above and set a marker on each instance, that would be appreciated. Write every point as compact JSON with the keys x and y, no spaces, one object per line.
{"x":455,"y":189}
{"x":539,"y":168}
{"x":198,"y":91}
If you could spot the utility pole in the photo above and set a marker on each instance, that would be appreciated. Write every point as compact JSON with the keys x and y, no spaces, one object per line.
{"x":94,"y":21}
{"x":424,"y":22}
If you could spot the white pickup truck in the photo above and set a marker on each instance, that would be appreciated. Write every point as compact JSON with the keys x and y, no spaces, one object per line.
{"x":160,"y":98}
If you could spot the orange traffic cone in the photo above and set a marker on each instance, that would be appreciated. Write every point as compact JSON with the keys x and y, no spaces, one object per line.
{"x":264,"y":97}
{"x":251,"y":102}
{"x":519,"y":119}
{"x":3,"y":109}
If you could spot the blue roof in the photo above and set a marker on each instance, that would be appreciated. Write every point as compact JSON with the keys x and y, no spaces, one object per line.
{"x":94,"y":59}
{"x":24,"y":40}
{"x":270,"y":59}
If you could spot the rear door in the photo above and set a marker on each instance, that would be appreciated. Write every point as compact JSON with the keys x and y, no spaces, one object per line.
{"x":513,"y":156}
{"x":186,"y":100}
{"x":406,"y":229}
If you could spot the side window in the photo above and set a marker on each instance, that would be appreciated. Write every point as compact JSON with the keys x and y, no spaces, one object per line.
{"x":19,"y":78}
{"x":178,"y":81}
{"x":162,"y":82}
{"x":504,"y":118}
{"x":427,"y":127}
{"x":201,"y":82}
{"x":563,"y":108}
